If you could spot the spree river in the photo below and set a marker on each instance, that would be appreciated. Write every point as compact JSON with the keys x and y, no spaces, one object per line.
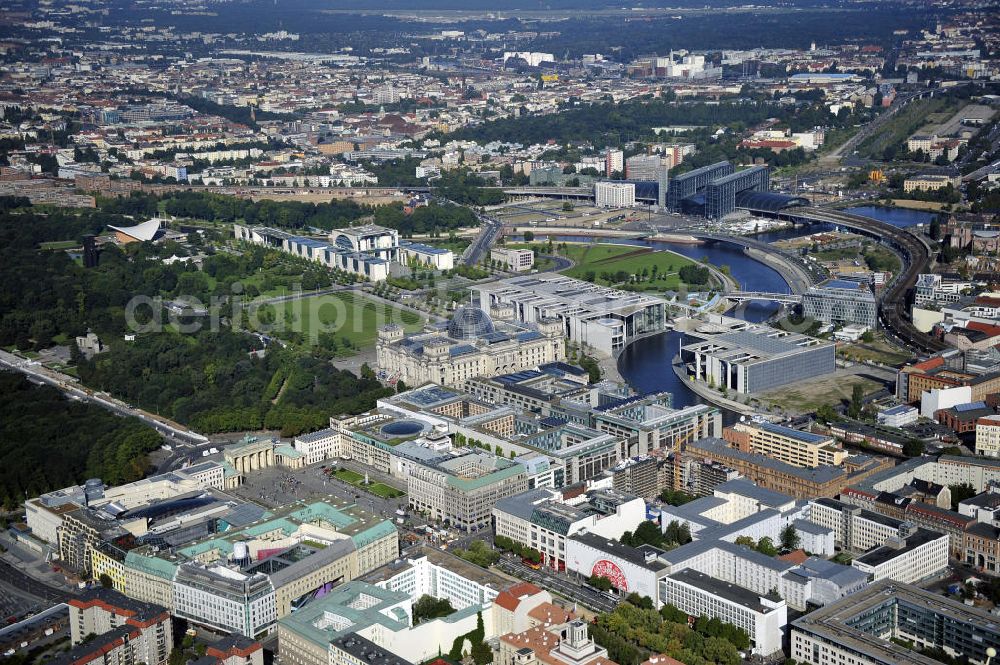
{"x":645,"y":364}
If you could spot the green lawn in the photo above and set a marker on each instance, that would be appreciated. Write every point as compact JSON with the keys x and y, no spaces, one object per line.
{"x":384,"y":491}
{"x":606,"y":264}
{"x":347,"y":316}
{"x":349,"y":476}
{"x":358,"y":480}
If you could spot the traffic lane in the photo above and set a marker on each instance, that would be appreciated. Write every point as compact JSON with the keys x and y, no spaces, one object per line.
{"x":576,"y":592}
{"x":11,"y":576}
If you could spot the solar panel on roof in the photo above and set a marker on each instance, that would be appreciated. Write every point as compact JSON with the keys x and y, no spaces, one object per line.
{"x":971,"y":406}
{"x":517,"y":377}
{"x":788,"y":431}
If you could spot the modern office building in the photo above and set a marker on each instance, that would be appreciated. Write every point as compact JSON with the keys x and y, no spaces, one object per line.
{"x":362,"y":250}
{"x":380,"y":612}
{"x":471,"y":344}
{"x":918,"y":555}
{"x":630,"y":569}
{"x":461,"y":489}
{"x":855,"y":529}
{"x":335,"y":254}
{"x":757,"y":359}
{"x":515,"y":260}
{"x":649,"y":423}
{"x":841,"y":302}
{"x":599,"y":318}
{"x":866,"y":627}
{"x":419,"y":255}
{"x":931,"y":287}
{"x":739,"y":508}
{"x":614,"y":194}
{"x":645,"y":167}
{"x":416,"y":428}
{"x":224,"y":599}
{"x":763,"y":617}
{"x":639,"y":476}
{"x":897,"y":416}
{"x":785,"y":444}
{"x":543,"y":520}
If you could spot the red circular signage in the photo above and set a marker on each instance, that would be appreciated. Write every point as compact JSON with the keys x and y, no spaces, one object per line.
{"x":610,"y":569}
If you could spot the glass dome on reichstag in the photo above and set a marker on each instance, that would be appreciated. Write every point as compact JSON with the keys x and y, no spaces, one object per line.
{"x":470,"y":323}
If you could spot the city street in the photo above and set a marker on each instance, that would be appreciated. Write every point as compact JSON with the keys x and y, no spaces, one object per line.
{"x":559,"y":583}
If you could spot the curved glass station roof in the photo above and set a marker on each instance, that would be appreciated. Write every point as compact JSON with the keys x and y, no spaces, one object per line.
{"x":769,"y":201}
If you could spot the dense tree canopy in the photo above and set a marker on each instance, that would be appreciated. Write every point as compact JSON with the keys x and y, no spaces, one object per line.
{"x":48,"y":441}
{"x":210,"y":381}
{"x":206,"y":379}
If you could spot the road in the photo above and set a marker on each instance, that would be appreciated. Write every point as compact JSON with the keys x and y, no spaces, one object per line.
{"x":491,"y":230}
{"x":848,"y":147}
{"x":17,"y":579}
{"x":893,"y":311}
{"x":38,"y":373}
{"x":560,"y":583}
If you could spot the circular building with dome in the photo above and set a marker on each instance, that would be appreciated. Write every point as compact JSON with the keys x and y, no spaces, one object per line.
{"x":470,"y":323}
{"x":468,"y":345}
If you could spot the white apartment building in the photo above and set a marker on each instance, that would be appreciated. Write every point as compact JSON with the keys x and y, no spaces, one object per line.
{"x":988,"y":436}
{"x":422,"y":577}
{"x":854,"y":528}
{"x":696,"y":594}
{"x":920,"y":555}
{"x":541,"y":519}
{"x":614,"y":194}
{"x":898,"y":416}
{"x":120,"y":629}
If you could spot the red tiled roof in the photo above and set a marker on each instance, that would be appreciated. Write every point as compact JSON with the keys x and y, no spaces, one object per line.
{"x":796,"y":557}
{"x":510,"y":598}
{"x":930,"y":363}
{"x":989,"y":329}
